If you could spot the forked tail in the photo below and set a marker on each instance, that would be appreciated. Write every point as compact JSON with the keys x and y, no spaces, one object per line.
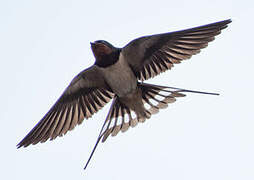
{"x":154,"y":98}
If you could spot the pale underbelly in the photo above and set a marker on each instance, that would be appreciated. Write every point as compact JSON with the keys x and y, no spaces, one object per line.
{"x":120,"y":78}
{"x":122,"y":84}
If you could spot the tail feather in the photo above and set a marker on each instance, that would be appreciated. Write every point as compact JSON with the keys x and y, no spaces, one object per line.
{"x":121,"y":117}
{"x":154,"y":98}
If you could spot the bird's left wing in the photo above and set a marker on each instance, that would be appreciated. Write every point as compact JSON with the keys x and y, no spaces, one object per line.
{"x":86,"y":94}
{"x":148,"y":56}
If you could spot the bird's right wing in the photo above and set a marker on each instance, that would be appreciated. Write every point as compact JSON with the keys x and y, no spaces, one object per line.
{"x":86,"y":94}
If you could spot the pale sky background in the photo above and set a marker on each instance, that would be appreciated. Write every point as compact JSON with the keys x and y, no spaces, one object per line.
{"x":44,"y":44}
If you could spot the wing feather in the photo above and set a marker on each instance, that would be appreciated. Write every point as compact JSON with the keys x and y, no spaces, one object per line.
{"x":161,"y":51}
{"x":86,"y":94}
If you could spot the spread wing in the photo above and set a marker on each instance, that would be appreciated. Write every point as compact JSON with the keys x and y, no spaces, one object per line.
{"x":150,"y":55}
{"x":86,"y":94}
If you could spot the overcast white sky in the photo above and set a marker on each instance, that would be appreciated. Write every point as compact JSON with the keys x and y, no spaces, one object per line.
{"x":44,"y":44}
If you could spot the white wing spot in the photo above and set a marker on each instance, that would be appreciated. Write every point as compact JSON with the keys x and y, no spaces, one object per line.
{"x":158,"y":97}
{"x":126,"y":118}
{"x":147,"y":106}
{"x":155,"y":103}
{"x":165,"y":93}
{"x":133,"y":115}
{"x":119,"y":121}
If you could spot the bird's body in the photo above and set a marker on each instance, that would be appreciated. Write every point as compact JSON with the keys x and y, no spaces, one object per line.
{"x":118,"y":74}
{"x":120,"y":77}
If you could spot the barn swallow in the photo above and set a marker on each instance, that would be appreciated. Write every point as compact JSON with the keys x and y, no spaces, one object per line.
{"x":118,"y":74}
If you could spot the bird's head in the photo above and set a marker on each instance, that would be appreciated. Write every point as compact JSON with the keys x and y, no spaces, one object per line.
{"x":102,"y":48}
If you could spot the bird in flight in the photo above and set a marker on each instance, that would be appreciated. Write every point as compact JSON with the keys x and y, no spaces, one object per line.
{"x":118,"y":74}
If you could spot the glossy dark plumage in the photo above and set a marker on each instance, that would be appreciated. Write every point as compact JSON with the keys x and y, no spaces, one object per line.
{"x":115,"y":75}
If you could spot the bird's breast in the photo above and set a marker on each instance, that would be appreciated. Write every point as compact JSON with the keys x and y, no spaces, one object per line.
{"x":120,"y":77}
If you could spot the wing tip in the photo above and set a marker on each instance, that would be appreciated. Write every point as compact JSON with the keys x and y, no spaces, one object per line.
{"x":23,"y":143}
{"x":18,"y":146}
{"x":227,"y":21}
{"x":223,"y":22}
